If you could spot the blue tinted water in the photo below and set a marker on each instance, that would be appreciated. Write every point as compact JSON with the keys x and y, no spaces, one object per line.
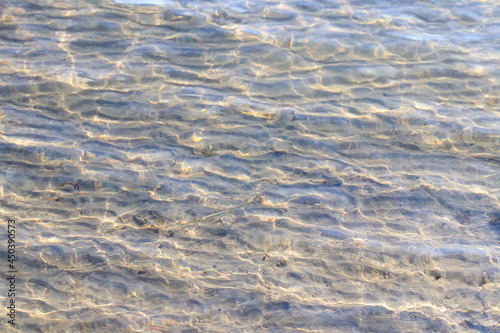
{"x":205,"y":166}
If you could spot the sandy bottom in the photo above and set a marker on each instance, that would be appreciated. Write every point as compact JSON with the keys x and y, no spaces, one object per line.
{"x":249,"y":167}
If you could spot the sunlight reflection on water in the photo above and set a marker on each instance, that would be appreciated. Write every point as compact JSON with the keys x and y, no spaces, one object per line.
{"x":249,"y":166}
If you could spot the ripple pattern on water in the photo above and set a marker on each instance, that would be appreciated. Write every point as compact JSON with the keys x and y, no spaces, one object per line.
{"x":253,"y":165}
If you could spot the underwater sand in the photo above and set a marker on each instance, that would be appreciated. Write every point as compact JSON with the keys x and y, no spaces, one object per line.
{"x":251,"y":166}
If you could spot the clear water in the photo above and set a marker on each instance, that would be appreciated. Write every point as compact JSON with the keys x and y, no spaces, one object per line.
{"x":249,"y":166}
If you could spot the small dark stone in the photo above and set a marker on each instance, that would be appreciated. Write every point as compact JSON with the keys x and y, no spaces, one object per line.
{"x":435,"y":274}
{"x":278,"y":154}
{"x":138,"y":221}
{"x":281,"y":263}
{"x":332,"y":182}
{"x":277,"y":306}
{"x":218,"y":232}
{"x":495,"y":221}
{"x":281,"y":223}
{"x":484,"y":280}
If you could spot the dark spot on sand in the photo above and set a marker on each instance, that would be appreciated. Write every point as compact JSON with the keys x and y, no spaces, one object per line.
{"x":281,"y":263}
{"x":495,"y":222}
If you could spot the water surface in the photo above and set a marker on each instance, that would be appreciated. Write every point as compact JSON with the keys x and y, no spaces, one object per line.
{"x":248,"y":166}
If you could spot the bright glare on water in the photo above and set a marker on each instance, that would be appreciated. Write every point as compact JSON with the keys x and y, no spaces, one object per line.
{"x":251,"y":166}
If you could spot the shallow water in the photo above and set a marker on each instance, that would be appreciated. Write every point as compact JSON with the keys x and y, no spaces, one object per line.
{"x":312,"y":166}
